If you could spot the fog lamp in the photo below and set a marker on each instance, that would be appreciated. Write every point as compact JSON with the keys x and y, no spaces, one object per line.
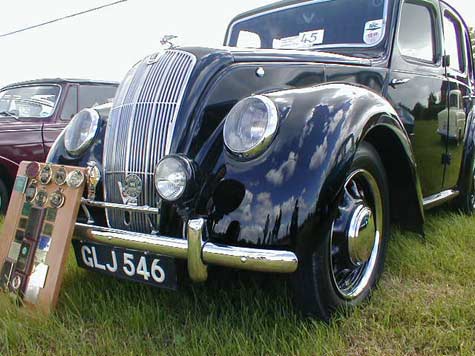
{"x":172,"y":175}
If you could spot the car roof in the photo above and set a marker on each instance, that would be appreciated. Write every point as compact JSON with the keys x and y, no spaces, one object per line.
{"x":284,"y":3}
{"x":273,"y":6}
{"x":62,"y":81}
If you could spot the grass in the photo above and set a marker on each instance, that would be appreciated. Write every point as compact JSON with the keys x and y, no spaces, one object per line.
{"x":425,"y":306}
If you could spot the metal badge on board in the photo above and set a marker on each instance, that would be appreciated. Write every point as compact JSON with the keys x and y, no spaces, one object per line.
{"x":46,"y":174}
{"x":75,"y":179}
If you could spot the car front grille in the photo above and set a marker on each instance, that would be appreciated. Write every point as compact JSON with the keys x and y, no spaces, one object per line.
{"x":139,"y":131}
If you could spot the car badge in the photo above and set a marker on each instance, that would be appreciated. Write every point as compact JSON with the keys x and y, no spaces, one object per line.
{"x":32,"y":169}
{"x":131,"y":189}
{"x":93,"y":178}
{"x":20,"y":184}
{"x":56,"y":199}
{"x":60,"y":175}
{"x":16,"y":282}
{"x":41,"y":198}
{"x":46,"y":174}
{"x":30,"y":192}
{"x":154,"y":58}
{"x":75,"y":179}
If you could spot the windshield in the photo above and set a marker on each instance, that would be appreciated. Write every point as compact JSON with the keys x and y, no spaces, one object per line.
{"x":315,"y":24}
{"x":29,"y":101}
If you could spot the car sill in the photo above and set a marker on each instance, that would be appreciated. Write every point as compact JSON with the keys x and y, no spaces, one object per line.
{"x":440,"y":198}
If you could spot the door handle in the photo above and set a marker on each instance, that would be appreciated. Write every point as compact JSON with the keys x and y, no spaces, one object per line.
{"x":395,"y":82}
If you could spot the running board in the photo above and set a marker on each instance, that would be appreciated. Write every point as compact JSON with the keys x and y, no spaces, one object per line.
{"x":440,"y":198}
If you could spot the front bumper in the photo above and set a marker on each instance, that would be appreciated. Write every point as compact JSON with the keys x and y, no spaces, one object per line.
{"x":193,"y":248}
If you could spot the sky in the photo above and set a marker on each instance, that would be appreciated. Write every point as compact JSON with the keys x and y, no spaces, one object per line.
{"x":106,"y":43}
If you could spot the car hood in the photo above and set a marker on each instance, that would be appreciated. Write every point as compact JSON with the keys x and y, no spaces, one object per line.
{"x":257,"y":55}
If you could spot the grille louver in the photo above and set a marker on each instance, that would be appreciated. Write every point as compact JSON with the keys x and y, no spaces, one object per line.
{"x":140,"y":128}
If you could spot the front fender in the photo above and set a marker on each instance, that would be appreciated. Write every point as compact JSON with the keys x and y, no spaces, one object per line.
{"x":288,"y":190}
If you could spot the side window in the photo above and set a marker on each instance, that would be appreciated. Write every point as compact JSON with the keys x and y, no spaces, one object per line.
{"x":92,"y":95}
{"x":416,"y":32}
{"x":453,"y":39}
{"x":70,"y":107}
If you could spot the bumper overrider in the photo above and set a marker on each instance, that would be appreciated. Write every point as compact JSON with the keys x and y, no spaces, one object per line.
{"x":192,"y":247}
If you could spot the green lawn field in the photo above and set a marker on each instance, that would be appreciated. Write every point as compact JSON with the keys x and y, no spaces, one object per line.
{"x":425,"y":306}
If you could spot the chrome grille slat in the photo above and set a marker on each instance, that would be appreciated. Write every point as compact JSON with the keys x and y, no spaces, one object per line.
{"x":139,"y":130}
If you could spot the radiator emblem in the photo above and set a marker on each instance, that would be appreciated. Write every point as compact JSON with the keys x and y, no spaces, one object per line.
{"x":131,"y":189}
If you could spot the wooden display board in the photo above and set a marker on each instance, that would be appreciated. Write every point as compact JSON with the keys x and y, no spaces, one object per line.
{"x":37,"y":231}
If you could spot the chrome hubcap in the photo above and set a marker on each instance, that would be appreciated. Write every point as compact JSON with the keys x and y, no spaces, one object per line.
{"x":361,"y":235}
{"x":356,"y":235}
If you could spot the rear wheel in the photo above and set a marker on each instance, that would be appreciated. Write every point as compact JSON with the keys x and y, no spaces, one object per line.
{"x":467,"y":199}
{"x":349,"y":256}
{"x":4,"y":198}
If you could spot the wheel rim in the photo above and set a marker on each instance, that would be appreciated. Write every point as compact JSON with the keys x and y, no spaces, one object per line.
{"x":356,"y":235}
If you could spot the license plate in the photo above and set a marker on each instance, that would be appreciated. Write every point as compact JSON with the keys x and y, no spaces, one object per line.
{"x":159,"y":271}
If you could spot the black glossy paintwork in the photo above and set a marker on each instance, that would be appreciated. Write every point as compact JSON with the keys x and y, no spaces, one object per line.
{"x":328,"y":104}
{"x":309,"y":158}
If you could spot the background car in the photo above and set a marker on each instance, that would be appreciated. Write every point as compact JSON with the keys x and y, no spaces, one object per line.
{"x":294,"y":155}
{"x":33,"y":114}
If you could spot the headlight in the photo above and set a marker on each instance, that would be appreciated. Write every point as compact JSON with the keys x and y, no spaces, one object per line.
{"x":81,"y":131}
{"x":171,"y":177}
{"x":250,"y":126}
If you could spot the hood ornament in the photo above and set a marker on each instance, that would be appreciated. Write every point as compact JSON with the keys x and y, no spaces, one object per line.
{"x":167,"y":40}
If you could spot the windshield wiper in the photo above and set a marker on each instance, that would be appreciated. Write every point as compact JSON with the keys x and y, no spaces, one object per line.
{"x":9,"y":114}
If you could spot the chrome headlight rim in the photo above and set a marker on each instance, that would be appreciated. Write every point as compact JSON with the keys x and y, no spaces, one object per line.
{"x":188,"y":170}
{"x":87,"y":142}
{"x":270,"y":132}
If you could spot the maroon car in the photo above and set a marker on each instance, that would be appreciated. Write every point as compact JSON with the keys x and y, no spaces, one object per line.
{"x":33,"y":114}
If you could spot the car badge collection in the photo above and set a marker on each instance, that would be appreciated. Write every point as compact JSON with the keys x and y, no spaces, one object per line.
{"x":34,"y":244}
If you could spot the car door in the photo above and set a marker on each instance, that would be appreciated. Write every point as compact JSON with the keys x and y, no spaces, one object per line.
{"x":67,"y":109}
{"x":453,"y":121}
{"x":417,"y":86}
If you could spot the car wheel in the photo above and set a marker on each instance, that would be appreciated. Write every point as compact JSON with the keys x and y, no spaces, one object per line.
{"x":4,"y":198}
{"x":347,"y":261}
{"x":467,"y":198}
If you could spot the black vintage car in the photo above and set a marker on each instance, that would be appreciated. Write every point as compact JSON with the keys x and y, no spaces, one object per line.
{"x":292,"y":149}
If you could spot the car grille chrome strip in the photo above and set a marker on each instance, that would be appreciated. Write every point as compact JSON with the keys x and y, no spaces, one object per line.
{"x":139,"y":132}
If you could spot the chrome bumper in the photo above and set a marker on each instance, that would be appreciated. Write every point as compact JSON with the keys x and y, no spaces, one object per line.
{"x":197,"y":252}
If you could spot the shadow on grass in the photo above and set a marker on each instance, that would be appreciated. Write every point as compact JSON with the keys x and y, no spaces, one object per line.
{"x":227,"y":293}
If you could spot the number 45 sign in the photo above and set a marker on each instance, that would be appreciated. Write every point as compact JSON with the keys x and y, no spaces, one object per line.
{"x":312,"y":38}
